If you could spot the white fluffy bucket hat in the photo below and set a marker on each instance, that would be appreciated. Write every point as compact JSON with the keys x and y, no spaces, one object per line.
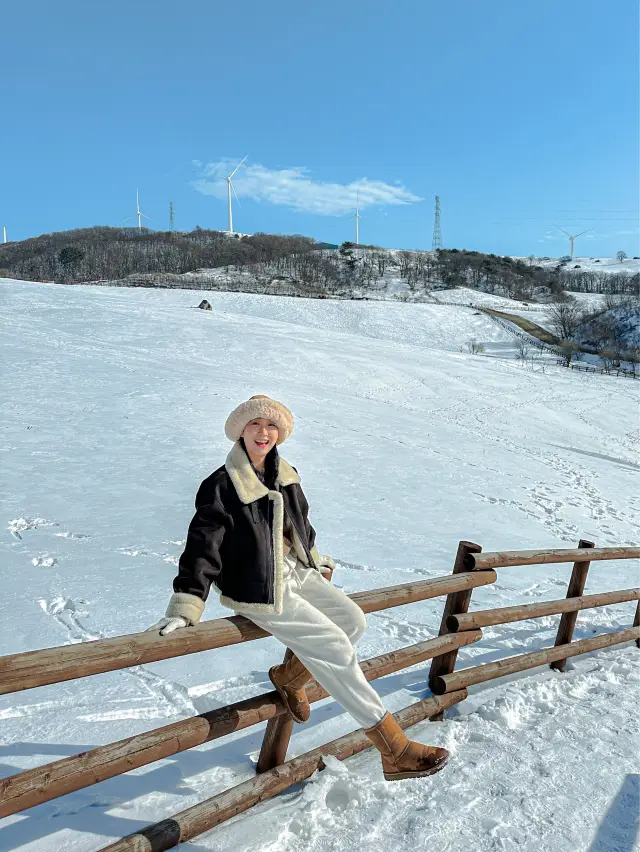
{"x":259,"y":406}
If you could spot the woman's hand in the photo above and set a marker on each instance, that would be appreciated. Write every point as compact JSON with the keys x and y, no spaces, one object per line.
{"x":168,"y":625}
{"x":326,"y":572}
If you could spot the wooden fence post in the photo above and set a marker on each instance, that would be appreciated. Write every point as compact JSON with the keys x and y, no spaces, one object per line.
{"x":277,"y":735}
{"x":568,"y":619}
{"x":457,"y":603}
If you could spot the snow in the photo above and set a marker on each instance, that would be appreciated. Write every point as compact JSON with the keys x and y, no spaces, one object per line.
{"x":626,"y":318}
{"x":113,"y":404}
{"x":630,"y":266}
{"x":469,"y":296}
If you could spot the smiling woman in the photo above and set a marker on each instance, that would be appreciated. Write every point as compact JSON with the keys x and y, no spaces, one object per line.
{"x":259,"y":436}
{"x":252,"y":541}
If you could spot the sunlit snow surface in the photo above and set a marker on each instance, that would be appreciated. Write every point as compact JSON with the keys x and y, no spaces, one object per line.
{"x":113,"y":405}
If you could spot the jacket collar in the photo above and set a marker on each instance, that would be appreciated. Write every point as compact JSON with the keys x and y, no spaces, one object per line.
{"x":246,"y":483}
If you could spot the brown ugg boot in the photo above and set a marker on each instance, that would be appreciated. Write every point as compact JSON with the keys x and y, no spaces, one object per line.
{"x":402,"y":757}
{"x":289,"y":679}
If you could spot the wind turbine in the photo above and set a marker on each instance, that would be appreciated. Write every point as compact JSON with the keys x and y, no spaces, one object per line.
{"x":357,"y":215}
{"x":4,"y":230}
{"x":138,"y":213}
{"x":572,"y":237}
{"x":230,"y":187}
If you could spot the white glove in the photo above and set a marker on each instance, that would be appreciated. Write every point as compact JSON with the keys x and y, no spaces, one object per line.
{"x":168,"y":625}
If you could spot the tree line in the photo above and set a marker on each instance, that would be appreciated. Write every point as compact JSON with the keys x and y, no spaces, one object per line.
{"x":287,"y":264}
{"x":101,"y":253}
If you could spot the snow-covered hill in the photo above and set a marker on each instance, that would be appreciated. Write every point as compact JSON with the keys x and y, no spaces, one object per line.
{"x":622,"y":321}
{"x":113,"y":405}
{"x":610,"y":265}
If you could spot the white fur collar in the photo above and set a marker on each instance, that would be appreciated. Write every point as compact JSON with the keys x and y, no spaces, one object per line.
{"x":246,"y":483}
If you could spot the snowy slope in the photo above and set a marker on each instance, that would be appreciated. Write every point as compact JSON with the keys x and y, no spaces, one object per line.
{"x":113,"y":403}
{"x":469,"y":296}
{"x":630,"y":266}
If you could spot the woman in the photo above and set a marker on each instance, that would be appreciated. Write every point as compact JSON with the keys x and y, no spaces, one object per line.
{"x":251,"y":540}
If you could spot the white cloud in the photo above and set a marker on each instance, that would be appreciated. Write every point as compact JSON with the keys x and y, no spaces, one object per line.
{"x":294,"y":187}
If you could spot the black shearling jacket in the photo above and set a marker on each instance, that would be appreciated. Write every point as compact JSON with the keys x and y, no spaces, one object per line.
{"x":234,"y":542}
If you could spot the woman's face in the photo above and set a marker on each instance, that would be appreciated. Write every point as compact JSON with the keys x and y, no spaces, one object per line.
{"x":260,"y":437}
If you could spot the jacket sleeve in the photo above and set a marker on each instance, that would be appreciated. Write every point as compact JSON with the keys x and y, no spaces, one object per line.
{"x":200,"y":564}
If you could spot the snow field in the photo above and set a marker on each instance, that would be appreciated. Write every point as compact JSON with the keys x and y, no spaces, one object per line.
{"x":113,"y":403}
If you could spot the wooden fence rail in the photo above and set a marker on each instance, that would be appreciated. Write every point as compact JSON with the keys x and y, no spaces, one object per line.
{"x":47,"y":782}
{"x":479,"y":674}
{"x":508,"y":614}
{"x":608,"y":371}
{"x":206,"y":815}
{"x":507,"y":558}
{"x":472,"y":569}
{"x":67,"y":662}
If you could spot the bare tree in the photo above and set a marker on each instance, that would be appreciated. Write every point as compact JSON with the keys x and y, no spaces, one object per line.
{"x":569,"y":349}
{"x":566,"y":318}
{"x":475,"y":347}
{"x":612,"y":300}
{"x":621,"y":255}
{"x":405,"y":259}
{"x":610,"y":359}
{"x":524,"y":350}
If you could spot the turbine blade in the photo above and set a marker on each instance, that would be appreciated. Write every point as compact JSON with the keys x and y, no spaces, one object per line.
{"x":235,"y":193}
{"x":583,"y":232}
{"x":125,"y":220}
{"x":237,"y":167}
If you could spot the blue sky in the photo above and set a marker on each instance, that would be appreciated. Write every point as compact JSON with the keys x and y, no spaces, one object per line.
{"x":519,"y":115}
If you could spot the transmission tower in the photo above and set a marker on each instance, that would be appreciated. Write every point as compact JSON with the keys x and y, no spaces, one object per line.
{"x":437,"y":233}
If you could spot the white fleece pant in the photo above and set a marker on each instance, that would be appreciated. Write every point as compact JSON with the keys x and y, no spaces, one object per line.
{"x":321,"y":625}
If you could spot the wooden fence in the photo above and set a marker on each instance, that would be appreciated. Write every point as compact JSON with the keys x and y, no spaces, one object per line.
{"x":610,"y":371}
{"x":557,"y":350}
{"x":275,"y":773}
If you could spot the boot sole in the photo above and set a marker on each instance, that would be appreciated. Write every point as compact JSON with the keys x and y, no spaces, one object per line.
{"x":285,"y":700}
{"x":399,"y":776}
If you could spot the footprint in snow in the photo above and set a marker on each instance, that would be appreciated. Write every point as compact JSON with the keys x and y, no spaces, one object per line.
{"x":352,"y":566}
{"x":129,"y":551}
{"x":44,"y":561}
{"x":75,"y":536}
{"x":532,"y":591}
{"x":19,"y":525}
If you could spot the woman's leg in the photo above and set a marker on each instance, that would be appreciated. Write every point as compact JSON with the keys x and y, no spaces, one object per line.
{"x":324,"y":647}
{"x":333,"y":602}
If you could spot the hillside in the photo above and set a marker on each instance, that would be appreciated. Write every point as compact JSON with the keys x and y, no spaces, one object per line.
{"x":607,"y":265}
{"x":621,"y":323}
{"x":297,"y":266}
{"x":113,"y":412}
{"x":90,"y":254}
